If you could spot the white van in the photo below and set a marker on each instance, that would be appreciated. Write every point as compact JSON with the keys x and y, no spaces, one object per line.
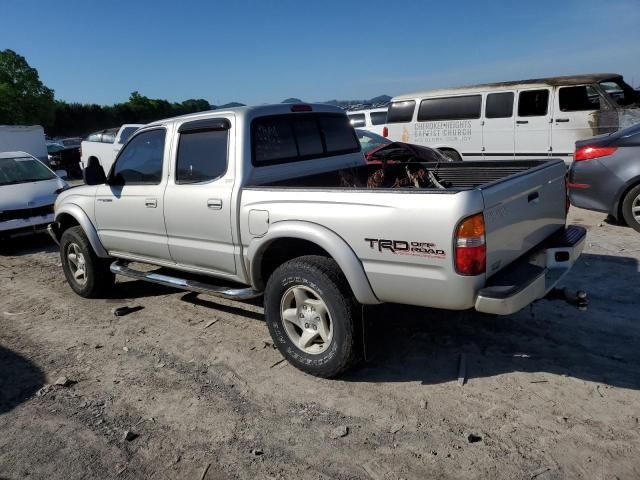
{"x":508,"y":120}
{"x":372,"y":119}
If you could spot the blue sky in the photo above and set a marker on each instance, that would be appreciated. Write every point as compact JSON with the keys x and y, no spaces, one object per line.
{"x":264,"y":51}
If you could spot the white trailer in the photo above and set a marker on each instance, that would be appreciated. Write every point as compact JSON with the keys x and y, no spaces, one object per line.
{"x":23,"y":138}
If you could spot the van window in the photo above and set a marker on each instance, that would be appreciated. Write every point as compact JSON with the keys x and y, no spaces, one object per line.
{"x":291,"y":138}
{"x":357,"y":120}
{"x":378,"y":118}
{"x":533,"y":103}
{"x":400,"y":112}
{"x":576,"y":99}
{"x":450,"y":108}
{"x":499,"y":105}
{"x":202,"y":156}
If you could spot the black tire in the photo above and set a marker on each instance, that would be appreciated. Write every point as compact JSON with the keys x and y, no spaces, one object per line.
{"x":97,"y":279}
{"x":323,"y":277}
{"x":632,"y":197}
{"x":452,"y":155}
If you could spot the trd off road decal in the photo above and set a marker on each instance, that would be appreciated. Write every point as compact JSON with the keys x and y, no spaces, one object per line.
{"x":402,"y":247}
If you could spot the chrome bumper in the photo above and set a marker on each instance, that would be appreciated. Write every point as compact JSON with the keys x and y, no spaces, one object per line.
{"x":531,"y":278}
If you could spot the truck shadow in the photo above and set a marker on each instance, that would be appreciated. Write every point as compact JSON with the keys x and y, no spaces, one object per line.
{"x":551,"y":338}
{"x":20,"y":379}
{"x":27,"y":245}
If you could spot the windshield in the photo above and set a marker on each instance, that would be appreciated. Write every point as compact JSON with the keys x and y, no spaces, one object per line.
{"x":621,"y":93}
{"x":370,"y":141}
{"x":23,"y":170}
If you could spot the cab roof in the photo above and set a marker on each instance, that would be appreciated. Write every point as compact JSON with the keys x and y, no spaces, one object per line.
{"x":542,"y":82}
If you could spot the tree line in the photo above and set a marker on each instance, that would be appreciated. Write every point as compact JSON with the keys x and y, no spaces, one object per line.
{"x":25,"y":100}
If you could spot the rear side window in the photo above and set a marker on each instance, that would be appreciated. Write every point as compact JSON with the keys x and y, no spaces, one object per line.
{"x":301,"y":136}
{"x":140,"y":160}
{"x":400,"y":112}
{"x":499,"y":105}
{"x":533,"y":103}
{"x":576,"y":99}
{"x":450,"y":108}
{"x":379,"y":118}
{"x":202,"y":156}
{"x":357,"y":120}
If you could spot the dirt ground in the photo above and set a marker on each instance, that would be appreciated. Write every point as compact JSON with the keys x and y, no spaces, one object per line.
{"x":551,"y":392}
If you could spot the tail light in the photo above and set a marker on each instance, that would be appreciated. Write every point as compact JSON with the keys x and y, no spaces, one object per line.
{"x":589,"y":153}
{"x":471,"y":249}
{"x":385,"y":132}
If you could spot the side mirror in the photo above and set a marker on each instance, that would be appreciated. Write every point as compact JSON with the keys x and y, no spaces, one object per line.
{"x":93,"y":174}
{"x":61,"y":173}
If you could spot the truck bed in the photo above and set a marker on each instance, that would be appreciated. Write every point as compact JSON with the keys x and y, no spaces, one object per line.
{"x":453,"y":176}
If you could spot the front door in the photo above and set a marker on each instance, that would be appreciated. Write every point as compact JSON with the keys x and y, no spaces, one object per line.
{"x":574,"y":117}
{"x":129,"y":208}
{"x":533,"y":123}
{"x":197,"y":205}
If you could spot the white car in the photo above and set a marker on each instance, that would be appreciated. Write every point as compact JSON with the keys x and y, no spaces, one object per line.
{"x":105,"y":145}
{"x":28,"y":190}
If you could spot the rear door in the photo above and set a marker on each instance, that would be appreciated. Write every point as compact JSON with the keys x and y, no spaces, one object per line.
{"x":521,"y":211}
{"x":533,"y":123}
{"x":197,"y":204}
{"x":498,"y":137}
{"x":574,"y":117}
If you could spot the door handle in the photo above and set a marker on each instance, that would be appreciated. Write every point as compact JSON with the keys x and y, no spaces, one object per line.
{"x":105,"y":199}
{"x":533,"y":197}
{"x":150,"y":202}
{"x":214,"y":204}
{"x":562,"y":120}
{"x":522,"y":122}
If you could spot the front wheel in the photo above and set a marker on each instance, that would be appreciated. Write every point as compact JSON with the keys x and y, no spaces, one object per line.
{"x":87,"y":274}
{"x":312,"y":315}
{"x":631,"y":208}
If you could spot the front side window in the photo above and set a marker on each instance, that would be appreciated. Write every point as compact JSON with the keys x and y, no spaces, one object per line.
{"x":140,"y":161}
{"x":533,"y":103}
{"x":357,"y":120}
{"x":401,"y":112}
{"x":202,"y":156}
{"x":499,"y":105}
{"x":378,"y":118}
{"x":450,"y":108}
{"x":576,"y":99}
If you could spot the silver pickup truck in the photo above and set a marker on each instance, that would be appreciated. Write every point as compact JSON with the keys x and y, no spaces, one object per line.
{"x":279,"y":201}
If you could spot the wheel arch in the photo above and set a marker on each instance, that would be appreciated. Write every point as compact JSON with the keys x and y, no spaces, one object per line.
{"x":70,"y":215}
{"x":305,"y":238}
{"x":622,"y":193}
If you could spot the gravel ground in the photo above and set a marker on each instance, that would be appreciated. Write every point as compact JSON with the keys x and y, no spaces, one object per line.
{"x":550,"y":393}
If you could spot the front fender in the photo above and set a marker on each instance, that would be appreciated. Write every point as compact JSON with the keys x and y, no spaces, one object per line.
{"x":83,"y":219}
{"x":328,"y":240}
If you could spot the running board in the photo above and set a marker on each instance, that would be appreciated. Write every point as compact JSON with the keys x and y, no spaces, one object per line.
{"x":121,"y":268}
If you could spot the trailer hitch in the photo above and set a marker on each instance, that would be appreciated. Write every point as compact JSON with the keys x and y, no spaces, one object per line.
{"x":577,"y":298}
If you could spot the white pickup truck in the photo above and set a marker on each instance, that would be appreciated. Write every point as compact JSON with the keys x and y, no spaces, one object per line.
{"x":105,"y":145}
{"x":278,"y":200}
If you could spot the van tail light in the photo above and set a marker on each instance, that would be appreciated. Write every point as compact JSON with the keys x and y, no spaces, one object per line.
{"x":385,"y":132}
{"x":589,"y":153}
{"x":471,"y":249}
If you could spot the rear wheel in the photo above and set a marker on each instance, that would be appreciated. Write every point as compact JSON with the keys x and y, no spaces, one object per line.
{"x":87,"y":274}
{"x":451,"y":155}
{"x":311,"y":315}
{"x":631,"y":208}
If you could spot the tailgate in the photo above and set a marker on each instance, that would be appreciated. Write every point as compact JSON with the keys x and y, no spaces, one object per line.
{"x":521,"y":211}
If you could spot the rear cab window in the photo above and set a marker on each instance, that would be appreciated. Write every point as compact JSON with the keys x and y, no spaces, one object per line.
{"x":301,"y":136}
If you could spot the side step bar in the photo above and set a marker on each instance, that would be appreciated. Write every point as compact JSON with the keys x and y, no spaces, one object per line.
{"x":120,"y":267}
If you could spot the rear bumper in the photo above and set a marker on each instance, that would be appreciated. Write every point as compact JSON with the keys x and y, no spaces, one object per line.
{"x":531,"y":277}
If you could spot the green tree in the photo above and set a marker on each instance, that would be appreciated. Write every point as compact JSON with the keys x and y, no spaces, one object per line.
{"x":24,"y":100}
